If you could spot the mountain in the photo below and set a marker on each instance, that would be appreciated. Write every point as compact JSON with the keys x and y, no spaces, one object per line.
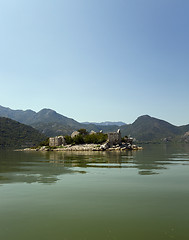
{"x":144,"y":129}
{"x":14,"y":134}
{"x":107,"y":123}
{"x":30,"y":117}
{"x":47,"y":121}
{"x":147,"y":128}
{"x":17,"y":115}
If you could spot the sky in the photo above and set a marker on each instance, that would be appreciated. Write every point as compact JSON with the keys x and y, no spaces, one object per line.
{"x":96,"y":60}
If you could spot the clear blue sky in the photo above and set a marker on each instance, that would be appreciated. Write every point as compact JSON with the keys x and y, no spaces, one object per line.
{"x":96,"y":60}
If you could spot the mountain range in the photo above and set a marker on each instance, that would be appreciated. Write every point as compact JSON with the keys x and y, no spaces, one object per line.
{"x":107,"y":123}
{"x":144,"y":129}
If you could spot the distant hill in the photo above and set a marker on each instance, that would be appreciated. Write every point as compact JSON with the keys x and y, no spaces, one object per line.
{"x":49,"y":122}
{"x":147,"y":128}
{"x":30,"y":117}
{"x":144,"y":129}
{"x":107,"y":123}
{"x":54,"y":128}
{"x":17,"y":115}
{"x":14,"y":134}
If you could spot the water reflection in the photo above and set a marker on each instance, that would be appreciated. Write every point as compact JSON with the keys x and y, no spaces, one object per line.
{"x":152,"y":160}
{"x":30,"y":168}
{"x":46,"y":167}
{"x":90,"y":159}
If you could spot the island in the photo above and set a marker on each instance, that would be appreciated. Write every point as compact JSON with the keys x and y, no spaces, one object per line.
{"x":81,"y":140}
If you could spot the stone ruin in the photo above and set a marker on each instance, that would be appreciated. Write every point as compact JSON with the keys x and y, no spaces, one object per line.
{"x":57,"y":141}
{"x":92,"y":132}
{"x":114,"y":138}
{"x":114,"y":141}
{"x":74,"y":134}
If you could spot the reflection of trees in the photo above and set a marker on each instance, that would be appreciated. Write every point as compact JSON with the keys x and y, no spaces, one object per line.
{"x":46,"y":167}
{"x":82,"y":159}
{"x":146,"y":164}
{"x":151,"y":160}
{"x":30,"y":168}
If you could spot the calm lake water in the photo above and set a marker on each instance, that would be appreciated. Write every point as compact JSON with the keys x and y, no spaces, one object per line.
{"x":95,"y":196}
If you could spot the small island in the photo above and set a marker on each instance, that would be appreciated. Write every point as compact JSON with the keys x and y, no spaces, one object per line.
{"x":82,"y":140}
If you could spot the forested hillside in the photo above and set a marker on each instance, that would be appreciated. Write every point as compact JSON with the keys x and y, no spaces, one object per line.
{"x":14,"y":134}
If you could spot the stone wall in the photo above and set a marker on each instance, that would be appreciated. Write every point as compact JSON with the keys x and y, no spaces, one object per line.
{"x":56,"y":141}
{"x":114,"y":138}
{"x":74,"y":134}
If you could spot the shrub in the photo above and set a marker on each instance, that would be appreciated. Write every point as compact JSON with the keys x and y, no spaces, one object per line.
{"x":78,"y":139}
{"x":83,"y":131}
{"x":68,"y":139}
{"x":96,"y":138}
{"x":44,"y":143}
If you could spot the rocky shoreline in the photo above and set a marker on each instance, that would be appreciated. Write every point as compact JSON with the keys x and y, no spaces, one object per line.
{"x":85,"y":147}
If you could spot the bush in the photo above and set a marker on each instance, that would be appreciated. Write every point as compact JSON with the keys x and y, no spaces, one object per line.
{"x":83,"y":131}
{"x":44,"y":143}
{"x":78,"y":139}
{"x":68,"y":139}
{"x":96,"y":138}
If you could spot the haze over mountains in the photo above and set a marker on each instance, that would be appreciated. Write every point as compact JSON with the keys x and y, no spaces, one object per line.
{"x":145,"y":128}
{"x":107,"y":123}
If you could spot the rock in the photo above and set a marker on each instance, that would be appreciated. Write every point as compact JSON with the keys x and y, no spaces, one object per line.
{"x":43,"y":148}
{"x":118,"y":148}
{"x":104,"y":146}
{"x":111,"y":149}
{"x":185,"y":137}
{"x":134,"y":147}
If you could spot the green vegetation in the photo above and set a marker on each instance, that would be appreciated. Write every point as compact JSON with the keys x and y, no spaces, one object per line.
{"x":68,"y":139}
{"x":97,"y":138}
{"x":16,"y":135}
{"x":83,"y":131}
{"x":45,"y":142}
{"x":85,"y":137}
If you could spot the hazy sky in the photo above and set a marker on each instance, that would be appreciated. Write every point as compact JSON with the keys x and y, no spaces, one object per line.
{"x":96,"y":60}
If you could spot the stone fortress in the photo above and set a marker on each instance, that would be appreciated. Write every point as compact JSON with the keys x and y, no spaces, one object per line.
{"x":114,"y":142}
{"x":114,"y":138}
{"x":57,"y":141}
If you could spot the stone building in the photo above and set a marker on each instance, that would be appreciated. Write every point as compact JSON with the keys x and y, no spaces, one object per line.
{"x":114,"y":138}
{"x":92,"y":132}
{"x":57,"y":141}
{"x":74,"y":134}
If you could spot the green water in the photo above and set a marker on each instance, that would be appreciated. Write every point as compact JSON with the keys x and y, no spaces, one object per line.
{"x":98,"y":195}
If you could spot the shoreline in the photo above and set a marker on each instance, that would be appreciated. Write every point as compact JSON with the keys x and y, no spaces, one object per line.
{"x":83,"y":147}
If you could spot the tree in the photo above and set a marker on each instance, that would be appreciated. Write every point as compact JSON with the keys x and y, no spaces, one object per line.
{"x":83,"y":131}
